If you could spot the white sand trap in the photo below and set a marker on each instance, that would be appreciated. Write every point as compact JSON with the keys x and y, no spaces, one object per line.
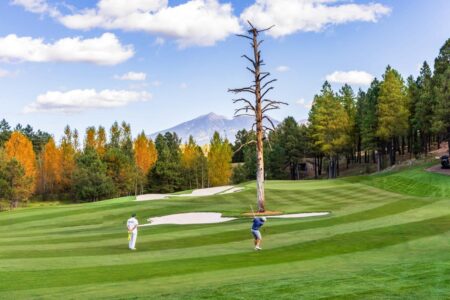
{"x":233,"y":190}
{"x":149,"y":197}
{"x":195,"y":193}
{"x":207,"y":191}
{"x":302,"y":215}
{"x":189,"y":218}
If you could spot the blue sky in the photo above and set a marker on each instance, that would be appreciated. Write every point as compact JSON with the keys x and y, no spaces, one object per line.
{"x":190,"y":58}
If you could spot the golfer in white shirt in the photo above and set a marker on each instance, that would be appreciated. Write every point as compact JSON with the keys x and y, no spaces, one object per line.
{"x":132,"y":225}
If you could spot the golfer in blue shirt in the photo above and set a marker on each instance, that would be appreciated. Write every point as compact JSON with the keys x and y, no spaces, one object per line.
{"x":258,"y":222}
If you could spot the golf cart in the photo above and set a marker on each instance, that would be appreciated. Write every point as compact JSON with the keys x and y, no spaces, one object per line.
{"x":445,"y":162}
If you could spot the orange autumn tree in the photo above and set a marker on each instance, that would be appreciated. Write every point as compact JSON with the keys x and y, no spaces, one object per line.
{"x":51,"y":169}
{"x":145,"y":156}
{"x":20,"y":147}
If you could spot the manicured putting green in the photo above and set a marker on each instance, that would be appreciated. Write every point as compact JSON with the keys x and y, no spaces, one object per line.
{"x":388,"y":236}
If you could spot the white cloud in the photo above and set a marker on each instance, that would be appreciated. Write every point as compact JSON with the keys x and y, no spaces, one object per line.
{"x":290,"y":16}
{"x":4,"y":73}
{"x":196,"y":22}
{"x":81,"y":100}
{"x":37,"y":6}
{"x":134,"y":76}
{"x":350,"y":77}
{"x":159,"y":41}
{"x":282,"y":69}
{"x":304,"y":104}
{"x":103,"y":50}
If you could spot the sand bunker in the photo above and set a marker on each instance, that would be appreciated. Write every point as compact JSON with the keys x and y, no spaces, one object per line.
{"x":195,"y":193}
{"x":189,"y":218}
{"x":206,"y":192}
{"x":212,"y":218}
{"x":149,"y":197}
{"x":301,"y":215}
{"x":233,"y":190}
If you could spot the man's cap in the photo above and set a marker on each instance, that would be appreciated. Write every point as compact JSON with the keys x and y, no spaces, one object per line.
{"x":264,"y":219}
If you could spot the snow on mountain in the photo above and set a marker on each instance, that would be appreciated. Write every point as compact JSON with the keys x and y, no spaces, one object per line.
{"x":202,"y":128}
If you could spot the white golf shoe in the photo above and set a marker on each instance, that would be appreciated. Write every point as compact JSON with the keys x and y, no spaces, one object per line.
{"x":257,"y":248}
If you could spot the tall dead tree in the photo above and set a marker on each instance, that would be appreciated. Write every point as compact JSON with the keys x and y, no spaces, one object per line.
{"x":259,"y":89}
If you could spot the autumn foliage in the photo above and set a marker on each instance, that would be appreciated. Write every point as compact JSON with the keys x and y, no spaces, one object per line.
{"x":51,"y":168}
{"x":20,"y":147}
{"x":145,"y":154}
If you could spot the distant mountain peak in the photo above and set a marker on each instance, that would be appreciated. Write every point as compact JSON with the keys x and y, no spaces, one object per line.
{"x":203,"y":127}
{"x":214,"y":116}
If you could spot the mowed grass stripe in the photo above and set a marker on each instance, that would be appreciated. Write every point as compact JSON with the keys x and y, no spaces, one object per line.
{"x":233,"y":235}
{"x":271,"y":241}
{"x":71,"y":219}
{"x":335,"y":245}
{"x":239,"y":234}
{"x":313,"y":278}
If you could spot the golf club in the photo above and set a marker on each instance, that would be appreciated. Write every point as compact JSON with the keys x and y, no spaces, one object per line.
{"x":251,"y":207}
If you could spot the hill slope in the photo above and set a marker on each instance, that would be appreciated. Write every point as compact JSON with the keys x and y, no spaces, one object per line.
{"x":381,"y":241}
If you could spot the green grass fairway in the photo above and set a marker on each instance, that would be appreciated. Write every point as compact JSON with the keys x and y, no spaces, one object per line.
{"x":388,"y":237}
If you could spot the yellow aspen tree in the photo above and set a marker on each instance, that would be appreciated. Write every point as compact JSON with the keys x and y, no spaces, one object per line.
{"x":219,"y":161}
{"x":189,"y":160}
{"x":145,"y":153}
{"x":51,"y":168}
{"x":145,"y":156}
{"x":101,"y":141}
{"x":67,"y":150}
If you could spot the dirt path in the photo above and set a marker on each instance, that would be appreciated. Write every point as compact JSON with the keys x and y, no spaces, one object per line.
{"x":438,"y":169}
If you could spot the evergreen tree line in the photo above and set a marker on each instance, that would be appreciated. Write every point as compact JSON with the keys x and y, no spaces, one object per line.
{"x":392,"y":118}
{"x":105,"y":165}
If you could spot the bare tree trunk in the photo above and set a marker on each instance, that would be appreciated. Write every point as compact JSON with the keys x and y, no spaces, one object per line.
{"x":315,"y":167}
{"x":379,"y":157}
{"x":257,"y":110}
{"x":259,"y":127}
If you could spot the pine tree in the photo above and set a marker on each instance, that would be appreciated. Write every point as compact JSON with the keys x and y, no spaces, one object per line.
{"x":166,"y":176}
{"x":90,"y":180}
{"x":347,"y":99}
{"x":441,"y":80}
{"x":369,"y":119}
{"x":393,"y":112}
{"x":5,"y":132}
{"x":424,"y":103}
{"x":330,"y":126}
{"x":15,"y":185}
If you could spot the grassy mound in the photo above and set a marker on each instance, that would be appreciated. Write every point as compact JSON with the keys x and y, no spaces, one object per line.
{"x":387,"y":237}
{"x":414,"y":181}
